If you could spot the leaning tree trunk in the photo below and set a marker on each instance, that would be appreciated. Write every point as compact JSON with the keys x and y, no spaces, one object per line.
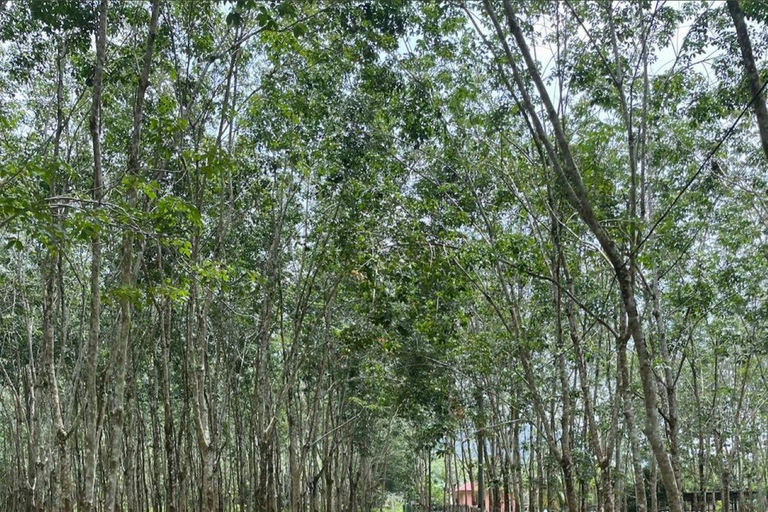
{"x":755,"y":87}
{"x":565,"y":166}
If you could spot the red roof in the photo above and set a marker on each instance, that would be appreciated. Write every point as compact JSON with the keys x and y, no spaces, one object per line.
{"x":466,"y":487}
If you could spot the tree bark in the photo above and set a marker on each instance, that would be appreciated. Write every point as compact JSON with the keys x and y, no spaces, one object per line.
{"x":625,"y":395}
{"x":755,"y":87}
{"x":119,"y":352}
{"x":92,"y":398}
{"x":480,"y":450}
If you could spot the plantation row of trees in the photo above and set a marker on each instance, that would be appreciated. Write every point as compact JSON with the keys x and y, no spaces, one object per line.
{"x":302,"y":255}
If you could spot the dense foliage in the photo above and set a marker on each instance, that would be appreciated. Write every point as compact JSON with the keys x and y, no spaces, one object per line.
{"x":320,"y":256}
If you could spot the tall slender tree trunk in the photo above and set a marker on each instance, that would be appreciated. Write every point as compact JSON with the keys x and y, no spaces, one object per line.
{"x":119,"y":352}
{"x":480,"y":450}
{"x":669,"y":382}
{"x":755,"y":86}
{"x":566,"y":423}
{"x":93,"y":406}
{"x":625,"y":395}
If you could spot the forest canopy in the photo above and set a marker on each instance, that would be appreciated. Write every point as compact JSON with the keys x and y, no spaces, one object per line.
{"x":357,"y":255}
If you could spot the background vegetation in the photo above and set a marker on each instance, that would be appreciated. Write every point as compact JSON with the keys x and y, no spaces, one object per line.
{"x":306,"y":255}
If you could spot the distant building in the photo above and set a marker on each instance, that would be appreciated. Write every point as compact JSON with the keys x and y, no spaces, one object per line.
{"x":466,"y":494}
